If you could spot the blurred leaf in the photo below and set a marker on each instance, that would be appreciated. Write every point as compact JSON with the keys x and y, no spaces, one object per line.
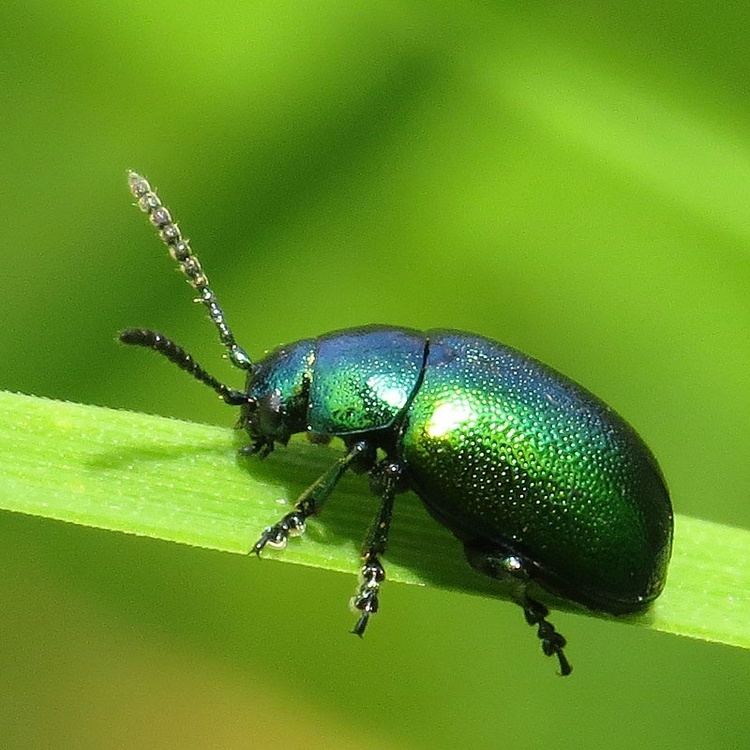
{"x":185,"y":482}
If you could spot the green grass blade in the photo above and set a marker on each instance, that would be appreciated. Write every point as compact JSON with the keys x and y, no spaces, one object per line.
{"x":184,"y":482}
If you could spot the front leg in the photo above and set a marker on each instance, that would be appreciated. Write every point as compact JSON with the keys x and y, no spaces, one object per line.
{"x":309,"y":502}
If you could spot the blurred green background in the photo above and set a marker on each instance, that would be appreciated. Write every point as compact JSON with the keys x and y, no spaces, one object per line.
{"x":570,"y":180}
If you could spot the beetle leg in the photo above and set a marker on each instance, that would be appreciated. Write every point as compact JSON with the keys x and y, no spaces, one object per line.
{"x":507,"y":566}
{"x":386,"y":482}
{"x":552,"y":642}
{"x":308,"y":503}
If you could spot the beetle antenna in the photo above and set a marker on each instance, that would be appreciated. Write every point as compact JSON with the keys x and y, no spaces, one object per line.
{"x":179,"y":248}
{"x":183,"y":360}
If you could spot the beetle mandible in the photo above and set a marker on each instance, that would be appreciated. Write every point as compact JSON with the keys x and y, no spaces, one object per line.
{"x":540,"y":480}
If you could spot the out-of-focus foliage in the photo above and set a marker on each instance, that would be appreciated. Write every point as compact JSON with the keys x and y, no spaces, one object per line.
{"x":571,"y":181}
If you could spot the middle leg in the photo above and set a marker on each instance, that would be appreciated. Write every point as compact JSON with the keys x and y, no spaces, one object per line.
{"x":386,"y":482}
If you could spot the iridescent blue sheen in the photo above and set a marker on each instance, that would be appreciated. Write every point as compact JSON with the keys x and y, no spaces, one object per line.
{"x":363,"y":378}
{"x":509,"y":454}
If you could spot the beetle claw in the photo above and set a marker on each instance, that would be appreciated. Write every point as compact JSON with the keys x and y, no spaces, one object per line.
{"x":359,"y":628}
{"x":366,"y":598}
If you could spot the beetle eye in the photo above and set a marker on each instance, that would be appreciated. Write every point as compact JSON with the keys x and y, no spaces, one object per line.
{"x":270,"y":412}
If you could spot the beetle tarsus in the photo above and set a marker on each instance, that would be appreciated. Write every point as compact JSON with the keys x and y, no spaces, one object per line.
{"x":366,"y":598}
{"x":505,"y":566}
{"x":552,"y":641}
{"x":386,"y":479}
{"x":260,"y":447}
{"x":276,"y":536}
{"x":361,"y":626}
{"x":308,"y":503}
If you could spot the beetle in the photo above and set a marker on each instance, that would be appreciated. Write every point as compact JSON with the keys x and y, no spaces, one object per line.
{"x":542,"y":482}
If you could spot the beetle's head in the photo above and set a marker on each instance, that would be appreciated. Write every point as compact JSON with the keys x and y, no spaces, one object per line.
{"x":277,"y":394}
{"x":273,"y":405}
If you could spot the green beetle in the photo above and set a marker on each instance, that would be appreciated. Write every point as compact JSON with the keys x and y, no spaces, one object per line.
{"x":540,"y":480}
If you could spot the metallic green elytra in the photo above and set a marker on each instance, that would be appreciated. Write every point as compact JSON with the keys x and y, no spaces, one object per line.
{"x":541,"y":481}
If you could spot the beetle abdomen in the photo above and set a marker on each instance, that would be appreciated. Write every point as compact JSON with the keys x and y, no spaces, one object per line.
{"x":505,"y":450}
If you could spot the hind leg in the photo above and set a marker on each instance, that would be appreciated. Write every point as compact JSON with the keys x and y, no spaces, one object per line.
{"x":504,"y":565}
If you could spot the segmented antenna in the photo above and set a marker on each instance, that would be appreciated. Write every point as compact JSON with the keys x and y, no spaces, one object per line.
{"x":179,"y":249}
{"x":175,"y":353}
